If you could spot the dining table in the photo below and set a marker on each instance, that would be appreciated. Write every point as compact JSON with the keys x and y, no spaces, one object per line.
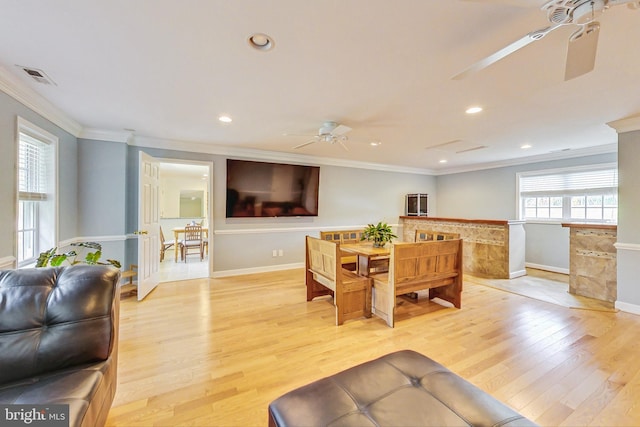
{"x":369,"y":257}
{"x":176,"y":235}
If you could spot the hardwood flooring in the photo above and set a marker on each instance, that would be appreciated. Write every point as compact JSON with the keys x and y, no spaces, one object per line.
{"x":215,"y":352}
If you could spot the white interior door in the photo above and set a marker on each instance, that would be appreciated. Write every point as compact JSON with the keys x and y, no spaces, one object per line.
{"x":148,"y":225}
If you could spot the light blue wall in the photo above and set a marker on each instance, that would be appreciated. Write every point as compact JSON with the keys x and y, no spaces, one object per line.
{"x":491,"y":194}
{"x":102,"y":189}
{"x":10,"y":109}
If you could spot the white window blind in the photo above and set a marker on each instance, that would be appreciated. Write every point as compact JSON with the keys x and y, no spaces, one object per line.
{"x":604,"y":179}
{"x":33,"y":161}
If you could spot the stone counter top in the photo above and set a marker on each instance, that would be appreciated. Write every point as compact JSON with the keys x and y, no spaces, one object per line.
{"x":467,"y":221}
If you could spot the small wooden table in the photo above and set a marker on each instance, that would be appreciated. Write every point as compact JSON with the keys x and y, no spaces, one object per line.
{"x":176,"y":235}
{"x":367,"y":255}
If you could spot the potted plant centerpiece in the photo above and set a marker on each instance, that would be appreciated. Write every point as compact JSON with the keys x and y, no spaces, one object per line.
{"x":380,"y":234}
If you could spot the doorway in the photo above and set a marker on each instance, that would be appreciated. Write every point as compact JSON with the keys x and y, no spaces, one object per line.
{"x":185,"y":198}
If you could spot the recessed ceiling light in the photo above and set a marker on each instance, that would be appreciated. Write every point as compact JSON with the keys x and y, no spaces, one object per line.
{"x":443,"y":161}
{"x":225,"y":119}
{"x":261,"y":41}
{"x":473,"y":110}
{"x":525,"y":146}
{"x":375,"y":143}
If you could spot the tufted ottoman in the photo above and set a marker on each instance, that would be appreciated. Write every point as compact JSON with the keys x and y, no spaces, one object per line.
{"x":400,"y":389}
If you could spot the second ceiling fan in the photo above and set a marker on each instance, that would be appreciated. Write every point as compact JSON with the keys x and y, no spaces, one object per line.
{"x":330,"y":132}
{"x":583,"y":42}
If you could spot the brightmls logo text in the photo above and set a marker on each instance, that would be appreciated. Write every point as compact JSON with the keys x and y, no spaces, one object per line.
{"x":34,"y":415}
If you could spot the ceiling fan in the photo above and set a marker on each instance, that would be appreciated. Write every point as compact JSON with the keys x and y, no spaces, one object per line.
{"x":330,"y":132}
{"x":581,"y":53}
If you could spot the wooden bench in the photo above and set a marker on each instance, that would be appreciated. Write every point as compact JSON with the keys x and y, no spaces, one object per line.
{"x":429,"y":235}
{"x":325,"y":276}
{"x":434,"y":265}
{"x":129,"y":287}
{"x":349,"y":261}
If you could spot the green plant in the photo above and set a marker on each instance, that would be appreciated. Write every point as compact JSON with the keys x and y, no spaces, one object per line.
{"x":380,"y":234}
{"x":53,"y":259}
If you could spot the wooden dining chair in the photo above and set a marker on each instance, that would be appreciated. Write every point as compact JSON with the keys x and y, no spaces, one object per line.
{"x":165,"y":244}
{"x":192,"y":240}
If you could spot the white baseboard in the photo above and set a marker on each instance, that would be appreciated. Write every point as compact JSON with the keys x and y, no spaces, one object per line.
{"x":628,"y":308}
{"x":519,"y":273}
{"x":547,"y":268}
{"x":253,"y":270}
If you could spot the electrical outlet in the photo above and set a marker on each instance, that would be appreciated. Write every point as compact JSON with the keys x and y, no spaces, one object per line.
{"x":280,"y":252}
{"x":274,"y":253}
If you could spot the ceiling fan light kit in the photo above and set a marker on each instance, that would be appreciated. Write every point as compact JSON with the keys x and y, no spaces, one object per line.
{"x":582,"y":45}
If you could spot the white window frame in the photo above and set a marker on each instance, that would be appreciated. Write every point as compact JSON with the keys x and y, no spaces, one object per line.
{"x":566,"y":194}
{"x":47,"y":212}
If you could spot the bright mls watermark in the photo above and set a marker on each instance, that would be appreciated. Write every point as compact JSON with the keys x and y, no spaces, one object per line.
{"x":34,"y":415}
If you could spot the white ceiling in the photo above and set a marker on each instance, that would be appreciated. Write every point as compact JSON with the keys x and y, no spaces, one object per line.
{"x":169,"y":68}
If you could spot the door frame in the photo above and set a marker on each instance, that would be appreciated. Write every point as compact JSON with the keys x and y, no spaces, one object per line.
{"x":210,"y":197}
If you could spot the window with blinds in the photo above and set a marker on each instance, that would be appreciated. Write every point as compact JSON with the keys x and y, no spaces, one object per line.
{"x":586,"y":194}
{"x":35,"y":192}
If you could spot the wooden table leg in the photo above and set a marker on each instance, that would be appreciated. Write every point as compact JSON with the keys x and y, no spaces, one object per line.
{"x":175,"y":246}
{"x":363,"y":265}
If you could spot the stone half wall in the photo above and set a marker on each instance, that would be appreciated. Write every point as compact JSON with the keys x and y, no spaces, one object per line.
{"x":486,"y":243}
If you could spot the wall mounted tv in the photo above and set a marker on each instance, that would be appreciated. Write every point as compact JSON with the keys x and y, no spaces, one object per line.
{"x":261,"y":189}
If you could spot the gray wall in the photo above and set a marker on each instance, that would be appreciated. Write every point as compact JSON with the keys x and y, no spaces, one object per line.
{"x":348,"y":197}
{"x":491,"y":194}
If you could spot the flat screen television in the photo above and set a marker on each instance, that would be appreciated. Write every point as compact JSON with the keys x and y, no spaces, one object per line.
{"x":261,"y":189}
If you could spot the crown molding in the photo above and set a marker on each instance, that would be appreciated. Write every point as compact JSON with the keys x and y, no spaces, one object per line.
{"x":560,"y":155}
{"x":628,"y":124}
{"x":16,"y":89}
{"x":106,"y":135}
{"x":196,"y":147}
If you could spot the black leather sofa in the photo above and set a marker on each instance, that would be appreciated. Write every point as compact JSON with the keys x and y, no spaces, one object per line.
{"x":400,"y":389}
{"x":58,"y":339}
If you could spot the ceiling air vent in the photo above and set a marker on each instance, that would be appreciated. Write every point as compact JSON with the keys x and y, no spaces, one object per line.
{"x":38,"y":75}
{"x":457,"y":146}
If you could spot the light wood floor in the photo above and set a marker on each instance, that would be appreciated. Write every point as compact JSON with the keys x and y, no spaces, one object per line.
{"x":216,"y":352}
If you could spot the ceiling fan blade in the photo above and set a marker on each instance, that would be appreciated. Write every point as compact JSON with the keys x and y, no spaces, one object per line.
{"x":516,"y":3}
{"x":341,"y":141}
{"x":340,"y":130}
{"x":633,"y":4}
{"x":305,"y":144}
{"x":506,"y":51}
{"x":581,"y":52}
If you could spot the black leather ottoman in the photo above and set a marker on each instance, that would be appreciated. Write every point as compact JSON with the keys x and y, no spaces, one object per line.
{"x":400,"y":389}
